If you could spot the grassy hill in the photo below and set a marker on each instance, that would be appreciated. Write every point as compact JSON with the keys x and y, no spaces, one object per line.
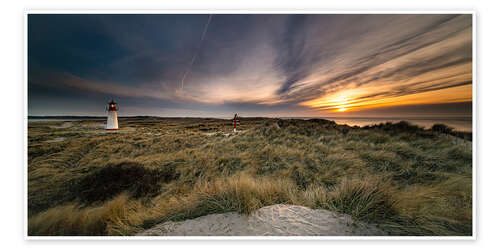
{"x":83,"y":180}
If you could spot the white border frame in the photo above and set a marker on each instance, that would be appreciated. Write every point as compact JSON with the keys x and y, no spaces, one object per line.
{"x":184,"y":238}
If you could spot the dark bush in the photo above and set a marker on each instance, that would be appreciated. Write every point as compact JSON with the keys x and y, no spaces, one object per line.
{"x":441,"y":128}
{"x":396,"y":128}
{"x":322,"y":121}
{"x":111,"y":180}
{"x":404,"y":126}
{"x":306,"y":124}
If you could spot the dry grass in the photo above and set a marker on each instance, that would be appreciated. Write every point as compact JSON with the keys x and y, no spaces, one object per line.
{"x":408,"y":180}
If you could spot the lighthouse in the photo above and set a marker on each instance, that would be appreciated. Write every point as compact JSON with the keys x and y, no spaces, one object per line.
{"x":112,"y":109}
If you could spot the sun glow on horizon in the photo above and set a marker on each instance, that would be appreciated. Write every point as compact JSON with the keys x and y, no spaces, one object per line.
{"x":338,"y":102}
{"x":359,"y":99}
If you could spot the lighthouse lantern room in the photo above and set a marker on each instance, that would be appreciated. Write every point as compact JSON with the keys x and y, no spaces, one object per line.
{"x":112,"y":109}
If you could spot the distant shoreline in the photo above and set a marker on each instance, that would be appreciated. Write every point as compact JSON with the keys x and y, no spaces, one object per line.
{"x":58,"y":117}
{"x":457,"y":123}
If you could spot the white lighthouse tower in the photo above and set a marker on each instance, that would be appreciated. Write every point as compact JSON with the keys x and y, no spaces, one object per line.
{"x":112,"y":109}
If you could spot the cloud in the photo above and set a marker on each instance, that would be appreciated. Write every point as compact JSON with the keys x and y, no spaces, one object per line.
{"x":261,"y":61}
{"x":441,"y":42}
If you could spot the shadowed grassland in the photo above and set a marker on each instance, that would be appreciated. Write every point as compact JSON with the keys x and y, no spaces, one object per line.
{"x":407,"y":180}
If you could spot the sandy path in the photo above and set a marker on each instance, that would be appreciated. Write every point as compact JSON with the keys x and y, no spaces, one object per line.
{"x":275,"y":220}
{"x":64,"y":125}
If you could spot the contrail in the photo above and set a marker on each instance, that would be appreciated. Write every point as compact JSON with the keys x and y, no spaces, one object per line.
{"x":197,"y":51}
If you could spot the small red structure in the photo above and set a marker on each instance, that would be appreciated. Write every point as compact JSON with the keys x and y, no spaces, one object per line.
{"x":235,"y":122}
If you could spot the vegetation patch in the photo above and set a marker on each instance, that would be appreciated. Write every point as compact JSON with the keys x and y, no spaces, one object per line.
{"x":132,"y":177}
{"x":364,"y":199}
{"x":407,"y":179}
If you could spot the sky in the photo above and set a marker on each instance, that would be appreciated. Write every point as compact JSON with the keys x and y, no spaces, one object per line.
{"x":335,"y":65}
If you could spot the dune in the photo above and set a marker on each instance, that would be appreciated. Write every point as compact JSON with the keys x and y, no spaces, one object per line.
{"x":275,"y":220}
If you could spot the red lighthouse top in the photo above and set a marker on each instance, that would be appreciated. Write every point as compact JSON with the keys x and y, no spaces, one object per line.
{"x":112,"y":106}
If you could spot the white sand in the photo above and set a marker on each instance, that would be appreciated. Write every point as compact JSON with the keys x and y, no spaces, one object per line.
{"x":275,"y":220}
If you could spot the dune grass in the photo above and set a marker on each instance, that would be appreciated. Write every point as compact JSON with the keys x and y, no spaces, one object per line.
{"x":407,"y":180}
